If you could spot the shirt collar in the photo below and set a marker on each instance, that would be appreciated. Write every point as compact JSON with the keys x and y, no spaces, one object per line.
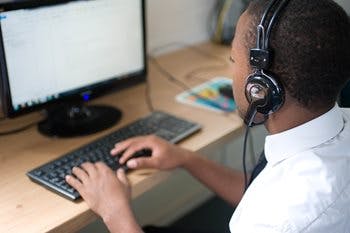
{"x":306,"y":136}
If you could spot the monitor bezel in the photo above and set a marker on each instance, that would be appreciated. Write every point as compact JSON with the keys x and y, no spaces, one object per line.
{"x":94,"y":90}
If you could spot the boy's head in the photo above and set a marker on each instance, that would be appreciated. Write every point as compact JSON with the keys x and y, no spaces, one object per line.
{"x":310,"y":47}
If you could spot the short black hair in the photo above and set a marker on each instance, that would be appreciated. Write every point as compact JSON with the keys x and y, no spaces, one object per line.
{"x":311,"y":49}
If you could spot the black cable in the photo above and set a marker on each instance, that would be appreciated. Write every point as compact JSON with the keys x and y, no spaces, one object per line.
{"x":187,"y":46}
{"x":244,"y":158}
{"x":223,"y":63}
{"x":206,"y":54}
{"x":13,"y":131}
{"x":189,"y":75}
{"x":167,"y":74}
{"x":249,"y":120}
{"x":148,"y":96}
{"x":181,"y":84}
{"x":193,"y":74}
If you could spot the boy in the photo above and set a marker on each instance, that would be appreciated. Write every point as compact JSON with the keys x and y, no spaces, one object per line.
{"x":304,"y":185}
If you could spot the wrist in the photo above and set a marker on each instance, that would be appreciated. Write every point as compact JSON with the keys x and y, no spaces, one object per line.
{"x":121,"y":220}
{"x":188,"y":157}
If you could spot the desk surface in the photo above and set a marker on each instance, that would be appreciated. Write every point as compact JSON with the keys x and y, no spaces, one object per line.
{"x":28,"y":207}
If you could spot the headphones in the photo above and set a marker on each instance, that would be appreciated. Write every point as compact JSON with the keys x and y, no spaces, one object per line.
{"x":263,"y":91}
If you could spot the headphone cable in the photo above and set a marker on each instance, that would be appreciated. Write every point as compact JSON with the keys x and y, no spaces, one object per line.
{"x":251,"y":112}
{"x":244,"y":158}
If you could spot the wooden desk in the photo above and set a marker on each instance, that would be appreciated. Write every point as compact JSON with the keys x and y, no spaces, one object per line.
{"x":28,"y":207}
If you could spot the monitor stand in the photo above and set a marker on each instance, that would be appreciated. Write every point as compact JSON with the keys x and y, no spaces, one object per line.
{"x":78,"y":120}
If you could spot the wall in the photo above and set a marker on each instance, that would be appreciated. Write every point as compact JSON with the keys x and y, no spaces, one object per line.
{"x":184,"y":21}
{"x":177,"y":21}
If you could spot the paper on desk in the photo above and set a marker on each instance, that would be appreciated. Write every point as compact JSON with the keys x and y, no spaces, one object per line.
{"x":207,"y":96}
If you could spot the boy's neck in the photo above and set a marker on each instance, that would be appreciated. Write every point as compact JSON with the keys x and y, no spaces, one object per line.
{"x":291,"y":116}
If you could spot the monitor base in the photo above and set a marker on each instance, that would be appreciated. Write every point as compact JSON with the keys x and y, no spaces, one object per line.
{"x":80,"y":120}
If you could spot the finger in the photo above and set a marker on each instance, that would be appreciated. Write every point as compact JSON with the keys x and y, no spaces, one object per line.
{"x":123,"y":145}
{"x":122,"y":177}
{"x":75,"y":183}
{"x":80,"y":174}
{"x":141,"y":163}
{"x":101,"y":166}
{"x":89,"y":168}
{"x":128,"y":153}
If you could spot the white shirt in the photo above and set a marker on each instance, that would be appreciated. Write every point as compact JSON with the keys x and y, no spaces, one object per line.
{"x":305,"y":186}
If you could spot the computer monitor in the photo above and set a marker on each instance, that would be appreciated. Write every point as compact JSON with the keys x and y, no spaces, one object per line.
{"x":56,"y":55}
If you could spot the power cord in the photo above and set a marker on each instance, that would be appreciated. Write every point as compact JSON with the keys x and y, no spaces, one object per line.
{"x":20,"y":129}
{"x":223,"y":63}
{"x":179,"y":83}
{"x":195,"y":73}
{"x":13,"y":131}
{"x":148,"y":96}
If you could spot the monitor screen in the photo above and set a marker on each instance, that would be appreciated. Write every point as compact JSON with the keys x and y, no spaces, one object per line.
{"x":56,"y":54}
{"x":53,"y":52}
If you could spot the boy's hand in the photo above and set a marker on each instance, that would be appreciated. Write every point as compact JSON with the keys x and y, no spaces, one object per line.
{"x":107,"y":193}
{"x":164,"y":155}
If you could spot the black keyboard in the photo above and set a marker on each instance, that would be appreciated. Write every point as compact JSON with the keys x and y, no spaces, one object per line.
{"x":52,"y":174}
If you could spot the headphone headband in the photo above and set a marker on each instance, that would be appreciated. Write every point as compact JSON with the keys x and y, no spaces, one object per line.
{"x":263,"y":91}
{"x":260,"y":56}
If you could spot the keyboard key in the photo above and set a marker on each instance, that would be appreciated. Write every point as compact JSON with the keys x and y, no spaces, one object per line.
{"x":166,"y":126}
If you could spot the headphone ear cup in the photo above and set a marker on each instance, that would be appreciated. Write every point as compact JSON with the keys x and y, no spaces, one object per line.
{"x":255,"y":92}
{"x":264,"y":92}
